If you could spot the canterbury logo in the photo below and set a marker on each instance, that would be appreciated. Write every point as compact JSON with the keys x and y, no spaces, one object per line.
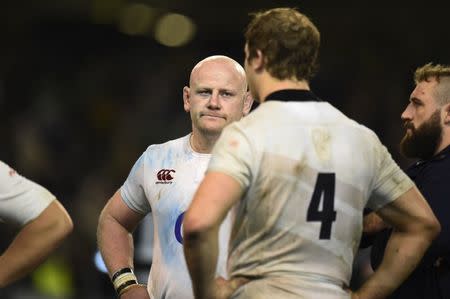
{"x":164,"y":176}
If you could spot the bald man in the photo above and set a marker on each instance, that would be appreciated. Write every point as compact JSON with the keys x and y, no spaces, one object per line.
{"x":163,"y":181}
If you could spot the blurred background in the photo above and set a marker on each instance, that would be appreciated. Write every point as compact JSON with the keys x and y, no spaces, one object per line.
{"x":87,"y":85}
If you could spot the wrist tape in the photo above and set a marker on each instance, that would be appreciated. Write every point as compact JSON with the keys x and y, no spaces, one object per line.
{"x":123,"y":280}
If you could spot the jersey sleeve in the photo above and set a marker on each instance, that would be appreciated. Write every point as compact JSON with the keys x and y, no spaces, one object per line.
{"x":389,"y":180}
{"x":233,"y":155}
{"x":132,"y":190}
{"x":21,"y":200}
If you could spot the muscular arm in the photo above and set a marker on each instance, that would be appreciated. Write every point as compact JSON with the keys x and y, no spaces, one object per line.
{"x":372,"y":223}
{"x":114,"y":233}
{"x":201,"y":225}
{"x":115,"y":241}
{"x":34,"y":243}
{"x":415,"y":227}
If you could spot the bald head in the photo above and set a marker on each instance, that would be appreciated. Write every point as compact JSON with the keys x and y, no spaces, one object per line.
{"x":216,"y":96}
{"x":219,"y":63}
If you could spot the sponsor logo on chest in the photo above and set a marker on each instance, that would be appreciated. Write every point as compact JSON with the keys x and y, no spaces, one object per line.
{"x":165,"y":176}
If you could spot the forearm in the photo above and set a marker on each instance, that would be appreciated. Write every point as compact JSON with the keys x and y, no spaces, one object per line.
{"x":115,"y":244}
{"x":201,"y":252}
{"x":402,"y":254}
{"x":34,"y":243}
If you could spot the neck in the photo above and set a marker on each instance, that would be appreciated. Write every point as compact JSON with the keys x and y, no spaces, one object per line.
{"x":269,"y":84}
{"x":202,"y":143}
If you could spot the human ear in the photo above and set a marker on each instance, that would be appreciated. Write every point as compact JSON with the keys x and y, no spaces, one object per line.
{"x":258,"y":60}
{"x":248,"y":102}
{"x":186,"y":98}
{"x":446,"y":118}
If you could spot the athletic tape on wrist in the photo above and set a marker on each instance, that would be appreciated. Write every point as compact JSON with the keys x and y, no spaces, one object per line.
{"x":121,"y":271}
{"x":125,"y":287}
{"x":123,"y":280}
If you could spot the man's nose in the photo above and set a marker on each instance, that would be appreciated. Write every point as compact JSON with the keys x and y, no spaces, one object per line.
{"x":214,"y":101}
{"x":407,"y":113}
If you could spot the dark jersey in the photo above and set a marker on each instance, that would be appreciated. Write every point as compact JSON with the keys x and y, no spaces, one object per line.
{"x":431,"y":279}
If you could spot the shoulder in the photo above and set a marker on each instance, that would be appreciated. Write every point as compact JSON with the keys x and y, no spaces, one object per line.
{"x":3,"y":167}
{"x":168,"y":147}
{"x":7,"y":174}
{"x":435,"y":170}
{"x":366,"y":135}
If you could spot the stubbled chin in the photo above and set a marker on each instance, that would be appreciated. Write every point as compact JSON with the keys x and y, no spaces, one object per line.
{"x":213,"y":125}
{"x":212,"y":120}
{"x":409,"y":132}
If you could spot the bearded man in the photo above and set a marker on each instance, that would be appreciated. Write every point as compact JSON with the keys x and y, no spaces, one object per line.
{"x":427,"y":138}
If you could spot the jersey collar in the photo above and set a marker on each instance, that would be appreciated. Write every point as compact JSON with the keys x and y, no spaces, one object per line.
{"x":443,"y":154}
{"x":289,"y":95}
{"x":439,"y":156}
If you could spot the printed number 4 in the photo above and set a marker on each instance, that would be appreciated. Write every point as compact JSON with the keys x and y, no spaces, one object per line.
{"x":323,"y":191}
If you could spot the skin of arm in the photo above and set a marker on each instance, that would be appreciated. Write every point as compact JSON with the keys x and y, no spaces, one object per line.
{"x":372,"y":223}
{"x":34,"y":243}
{"x":115,"y":241}
{"x":415,"y":227}
{"x":200,"y":228}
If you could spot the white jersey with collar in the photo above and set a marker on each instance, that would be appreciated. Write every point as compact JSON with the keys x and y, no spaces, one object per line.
{"x":163,"y":182}
{"x":307,"y":171}
{"x":21,"y":200}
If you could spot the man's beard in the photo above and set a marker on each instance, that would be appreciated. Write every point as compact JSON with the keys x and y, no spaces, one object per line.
{"x":423,"y":141}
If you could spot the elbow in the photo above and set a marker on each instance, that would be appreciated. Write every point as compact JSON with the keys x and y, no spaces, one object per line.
{"x":67,"y":227}
{"x":59,"y":223}
{"x":435,"y":228}
{"x":63,"y":227}
{"x":58,"y":220}
{"x":195,"y":226}
{"x":431,"y":228}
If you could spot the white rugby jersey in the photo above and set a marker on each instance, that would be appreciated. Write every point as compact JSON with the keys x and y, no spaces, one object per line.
{"x":21,"y":200}
{"x":163,"y":181}
{"x":308,"y":171}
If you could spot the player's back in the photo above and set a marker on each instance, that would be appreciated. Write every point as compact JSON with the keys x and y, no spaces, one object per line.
{"x":300,"y":223}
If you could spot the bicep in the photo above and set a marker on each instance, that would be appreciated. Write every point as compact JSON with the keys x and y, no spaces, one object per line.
{"x":53,"y":219}
{"x":116,"y":210}
{"x":408,"y":211}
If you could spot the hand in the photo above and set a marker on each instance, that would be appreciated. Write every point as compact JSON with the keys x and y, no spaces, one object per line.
{"x":355,"y":296}
{"x":372,"y":223}
{"x":136,"y":292}
{"x":223,"y":288}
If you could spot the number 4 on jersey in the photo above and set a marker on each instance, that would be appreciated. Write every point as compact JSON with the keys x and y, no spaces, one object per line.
{"x":323,"y":192}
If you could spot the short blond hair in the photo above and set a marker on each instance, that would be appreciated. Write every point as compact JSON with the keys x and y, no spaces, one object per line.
{"x":289,"y":41}
{"x":442,"y":75}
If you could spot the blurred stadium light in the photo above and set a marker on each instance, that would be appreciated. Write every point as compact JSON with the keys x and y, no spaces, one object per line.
{"x":136,"y":19}
{"x":174,"y":30}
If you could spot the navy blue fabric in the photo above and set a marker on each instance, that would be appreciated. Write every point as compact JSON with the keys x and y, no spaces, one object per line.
{"x":431,"y":279}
